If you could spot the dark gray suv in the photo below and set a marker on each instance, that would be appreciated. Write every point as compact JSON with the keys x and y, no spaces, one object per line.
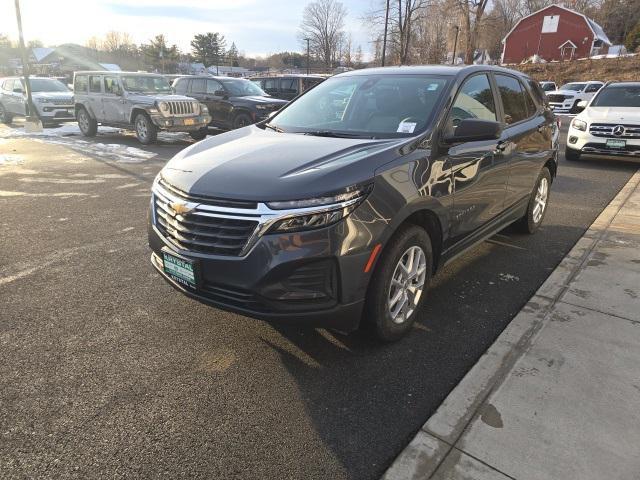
{"x":232,"y":102}
{"x":339,"y":209}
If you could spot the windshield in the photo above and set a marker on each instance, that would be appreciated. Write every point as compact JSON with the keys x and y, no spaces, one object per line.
{"x":242,"y":88}
{"x":618,"y":96}
{"x":381,"y":106}
{"x":576,"y":87}
{"x":146,"y":84}
{"x":47,"y":85}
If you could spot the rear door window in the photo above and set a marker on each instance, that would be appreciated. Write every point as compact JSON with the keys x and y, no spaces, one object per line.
{"x":271,"y":85}
{"x":198,"y":85}
{"x":95,"y":84}
{"x":289,"y":86}
{"x":513,"y":99}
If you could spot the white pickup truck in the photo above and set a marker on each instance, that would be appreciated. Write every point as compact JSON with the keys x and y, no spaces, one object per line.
{"x":567,"y":97}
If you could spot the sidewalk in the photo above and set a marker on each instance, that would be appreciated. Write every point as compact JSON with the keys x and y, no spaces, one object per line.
{"x":557,"y":396}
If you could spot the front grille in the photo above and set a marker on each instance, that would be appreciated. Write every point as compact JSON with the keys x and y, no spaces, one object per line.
{"x":606,"y":130}
{"x":181,"y":107}
{"x":62,"y":101}
{"x":203,"y":230}
{"x":556,"y":98}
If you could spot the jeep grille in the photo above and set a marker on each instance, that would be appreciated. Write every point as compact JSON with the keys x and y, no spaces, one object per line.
{"x":181,"y":108}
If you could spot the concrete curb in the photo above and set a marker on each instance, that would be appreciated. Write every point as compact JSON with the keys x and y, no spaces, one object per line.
{"x":438,"y":436}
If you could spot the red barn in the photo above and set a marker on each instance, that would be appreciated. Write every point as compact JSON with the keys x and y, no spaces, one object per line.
{"x":554,"y":33}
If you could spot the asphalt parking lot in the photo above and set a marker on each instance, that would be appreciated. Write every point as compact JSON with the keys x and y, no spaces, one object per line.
{"x":108,"y":372}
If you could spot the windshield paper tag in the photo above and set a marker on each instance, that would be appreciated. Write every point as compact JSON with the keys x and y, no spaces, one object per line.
{"x":406,"y":127}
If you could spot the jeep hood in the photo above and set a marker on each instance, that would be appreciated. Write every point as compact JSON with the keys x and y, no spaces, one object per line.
{"x":150,"y":98}
{"x":611,"y":115}
{"x":262,"y":165}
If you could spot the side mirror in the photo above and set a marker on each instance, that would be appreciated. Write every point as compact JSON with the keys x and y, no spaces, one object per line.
{"x":473,"y":130}
{"x":582,"y":104}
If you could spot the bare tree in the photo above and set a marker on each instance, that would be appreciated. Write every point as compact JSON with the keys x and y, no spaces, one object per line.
{"x":472,"y":12}
{"x":323,"y":24}
{"x":404,"y":15}
{"x":116,"y":42}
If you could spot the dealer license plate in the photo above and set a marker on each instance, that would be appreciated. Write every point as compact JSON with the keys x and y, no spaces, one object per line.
{"x":615,"y":143}
{"x":181,"y":270}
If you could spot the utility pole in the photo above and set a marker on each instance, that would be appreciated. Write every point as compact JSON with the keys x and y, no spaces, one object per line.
{"x":455,"y":45}
{"x":307,"y":39}
{"x":31,"y":119}
{"x":384,"y":39}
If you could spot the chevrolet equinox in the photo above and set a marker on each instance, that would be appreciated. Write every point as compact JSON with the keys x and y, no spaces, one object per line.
{"x":338,"y":209}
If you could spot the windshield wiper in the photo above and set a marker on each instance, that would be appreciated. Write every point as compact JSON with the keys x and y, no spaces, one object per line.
{"x":274,"y":128}
{"x":330,"y":133}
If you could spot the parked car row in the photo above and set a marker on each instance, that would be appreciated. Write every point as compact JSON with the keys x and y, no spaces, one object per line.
{"x":566,"y":98}
{"x":143,"y":102}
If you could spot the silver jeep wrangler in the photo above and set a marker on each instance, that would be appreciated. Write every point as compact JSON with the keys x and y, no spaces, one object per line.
{"x":139,"y":101}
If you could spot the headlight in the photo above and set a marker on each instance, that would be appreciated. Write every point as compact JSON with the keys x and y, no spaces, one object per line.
{"x":204,"y":109}
{"x":164,"y":108}
{"x":579,"y":124}
{"x":317,"y":212}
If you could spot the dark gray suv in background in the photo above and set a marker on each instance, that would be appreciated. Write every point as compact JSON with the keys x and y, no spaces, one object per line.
{"x":338,"y":210}
{"x":232,"y":102}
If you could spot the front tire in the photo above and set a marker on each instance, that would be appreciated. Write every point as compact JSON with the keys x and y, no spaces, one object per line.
{"x":5,"y":117}
{"x":146,"y":131}
{"x":199,"y":134}
{"x":538,"y":202}
{"x":88,"y":126}
{"x":399,"y":284}
{"x":241,"y":120}
{"x":571,"y":155}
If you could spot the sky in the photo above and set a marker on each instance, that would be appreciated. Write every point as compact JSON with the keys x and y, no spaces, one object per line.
{"x":258,"y":27}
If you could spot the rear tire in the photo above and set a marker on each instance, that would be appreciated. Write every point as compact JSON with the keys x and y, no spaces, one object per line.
{"x":146,"y":131}
{"x":5,"y":117}
{"x":241,"y":120}
{"x":398,"y":286}
{"x":538,"y":204}
{"x":571,"y":155}
{"x":88,"y":126}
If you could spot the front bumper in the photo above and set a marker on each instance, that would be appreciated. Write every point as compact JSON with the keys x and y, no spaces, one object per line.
{"x":588,"y":144}
{"x":178,"y":124}
{"x":564,"y":107}
{"x":312,"y":278}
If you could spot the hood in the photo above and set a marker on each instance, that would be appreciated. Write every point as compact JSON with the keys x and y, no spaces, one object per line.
{"x":564,"y":92}
{"x":611,"y":115}
{"x":262,"y":99}
{"x":53,"y":95}
{"x":262,"y":165}
{"x":150,"y":98}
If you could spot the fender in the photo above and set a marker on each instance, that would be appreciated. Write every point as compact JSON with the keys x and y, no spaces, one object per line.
{"x":144,"y":107}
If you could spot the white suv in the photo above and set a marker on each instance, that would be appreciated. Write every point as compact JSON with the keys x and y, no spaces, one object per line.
{"x":567,"y":97}
{"x":609,"y":125}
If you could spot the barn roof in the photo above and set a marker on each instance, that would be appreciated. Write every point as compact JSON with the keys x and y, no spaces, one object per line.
{"x":598,"y":32}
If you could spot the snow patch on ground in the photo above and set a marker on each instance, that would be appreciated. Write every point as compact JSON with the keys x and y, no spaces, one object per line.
{"x":11,"y":160}
{"x":68,"y":136}
{"x":507,"y":277}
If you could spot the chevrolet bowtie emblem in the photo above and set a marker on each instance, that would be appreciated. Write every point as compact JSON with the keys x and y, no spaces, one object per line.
{"x":181,"y":208}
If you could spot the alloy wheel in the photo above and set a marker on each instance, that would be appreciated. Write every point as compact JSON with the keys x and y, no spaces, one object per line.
{"x":540,"y":200}
{"x":141,"y":128}
{"x":407,"y":284}
{"x":83,"y":121}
